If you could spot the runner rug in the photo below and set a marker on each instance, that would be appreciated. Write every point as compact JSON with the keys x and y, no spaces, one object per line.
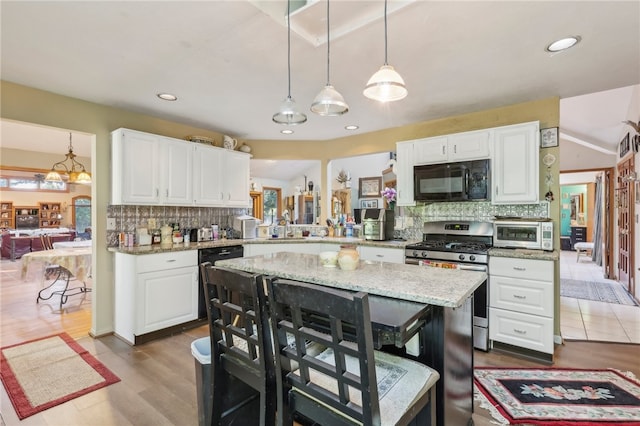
{"x":567,"y":397}
{"x":596,"y":290}
{"x":45,"y":372}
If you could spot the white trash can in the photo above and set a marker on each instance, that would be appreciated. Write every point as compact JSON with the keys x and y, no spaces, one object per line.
{"x":201,"y":351}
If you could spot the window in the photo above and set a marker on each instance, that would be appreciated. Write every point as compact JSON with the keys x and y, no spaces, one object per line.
{"x":272,"y":204}
{"x":82,"y":216}
{"x":29,"y":180}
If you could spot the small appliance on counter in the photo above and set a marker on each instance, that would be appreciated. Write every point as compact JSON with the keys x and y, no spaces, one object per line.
{"x":377,"y":224}
{"x":246,"y":225}
{"x":143,"y":237}
{"x":205,"y":234}
{"x":534,"y":233}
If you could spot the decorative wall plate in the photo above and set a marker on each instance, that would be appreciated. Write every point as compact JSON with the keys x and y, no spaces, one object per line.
{"x":548,"y":160}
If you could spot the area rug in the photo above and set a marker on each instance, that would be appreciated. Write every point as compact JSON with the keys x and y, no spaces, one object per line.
{"x":596,"y":290}
{"x":567,"y":397}
{"x":45,"y":372}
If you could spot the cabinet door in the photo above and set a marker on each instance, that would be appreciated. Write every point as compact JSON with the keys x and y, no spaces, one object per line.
{"x":207,"y":180}
{"x":514,"y":169}
{"x":134,"y":168}
{"x":469,"y":146}
{"x":177,"y":174}
{"x":404,"y":173}
{"x":166,"y":298}
{"x":236,"y":179}
{"x":430,"y":150}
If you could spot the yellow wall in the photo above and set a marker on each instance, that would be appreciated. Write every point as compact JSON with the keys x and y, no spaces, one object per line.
{"x":35,"y":106}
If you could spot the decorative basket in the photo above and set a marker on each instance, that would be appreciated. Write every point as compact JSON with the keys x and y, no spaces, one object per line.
{"x":201,"y":139}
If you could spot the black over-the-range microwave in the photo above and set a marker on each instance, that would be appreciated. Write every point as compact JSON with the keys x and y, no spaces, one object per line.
{"x":462,"y":181}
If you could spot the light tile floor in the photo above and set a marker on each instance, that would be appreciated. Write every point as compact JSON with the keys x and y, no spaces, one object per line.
{"x":590,"y":320}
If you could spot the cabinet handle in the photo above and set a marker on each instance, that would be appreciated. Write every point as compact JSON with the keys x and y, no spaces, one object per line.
{"x":166,"y":193}
{"x":455,"y":149}
{"x":517,"y":296}
{"x":157,"y":192}
{"x":519,"y":331}
{"x":443,"y":150}
{"x":379,"y":255}
{"x":519,"y":268}
{"x":171,"y":260}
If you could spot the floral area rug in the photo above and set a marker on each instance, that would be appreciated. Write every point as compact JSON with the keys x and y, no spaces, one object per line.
{"x":567,"y":397}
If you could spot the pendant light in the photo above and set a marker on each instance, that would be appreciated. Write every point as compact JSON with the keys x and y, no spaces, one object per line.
{"x":329,"y":102}
{"x":386,"y":85}
{"x":74,"y":170}
{"x":288,"y":114}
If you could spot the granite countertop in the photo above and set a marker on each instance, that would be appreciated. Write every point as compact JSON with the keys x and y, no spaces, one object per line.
{"x":524,"y":254}
{"x":157,"y":248}
{"x":435,"y":286}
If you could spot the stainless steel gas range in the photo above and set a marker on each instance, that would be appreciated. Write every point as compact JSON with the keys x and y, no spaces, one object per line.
{"x":461,"y":245}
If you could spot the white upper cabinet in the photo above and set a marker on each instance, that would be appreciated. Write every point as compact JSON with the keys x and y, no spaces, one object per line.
{"x":404,"y":173}
{"x":431,"y":150}
{"x":514,"y":167}
{"x":452,"y":148}
{"x":236,"y":179}
{"x":177,"y":178}
{"x":150,"y":169}
{"x":135,"y":168}
{"x":207,"y":171}
{"x":469,"y":145}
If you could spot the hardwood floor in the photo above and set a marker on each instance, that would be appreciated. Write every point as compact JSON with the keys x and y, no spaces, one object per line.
{"x":158,"y":378}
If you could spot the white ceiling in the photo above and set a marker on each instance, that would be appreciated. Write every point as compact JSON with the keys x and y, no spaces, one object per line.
{"x":226,"y":61}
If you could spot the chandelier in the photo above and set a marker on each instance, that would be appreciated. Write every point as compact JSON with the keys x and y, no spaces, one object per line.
{"x":69,"y":167}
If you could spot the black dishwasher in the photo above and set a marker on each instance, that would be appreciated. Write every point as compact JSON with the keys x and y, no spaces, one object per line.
{"x":212,"y":255}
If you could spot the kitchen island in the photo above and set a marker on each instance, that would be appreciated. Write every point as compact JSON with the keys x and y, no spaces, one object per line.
{"x":446,"y":339}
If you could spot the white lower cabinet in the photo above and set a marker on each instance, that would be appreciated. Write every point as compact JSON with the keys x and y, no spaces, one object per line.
{"x":381,"y":254}
{"x":154,"y":291}
{"x":521,"y":302}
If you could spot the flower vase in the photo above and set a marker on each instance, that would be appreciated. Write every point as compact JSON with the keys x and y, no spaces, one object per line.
{"x":348,"y":257}
{"x":392,"y":205}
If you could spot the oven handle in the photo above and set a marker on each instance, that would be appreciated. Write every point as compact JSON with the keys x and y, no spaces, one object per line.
{"x":461,"y":266}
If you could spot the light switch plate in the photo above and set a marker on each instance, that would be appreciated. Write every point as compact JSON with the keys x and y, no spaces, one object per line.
{"x":111,"y":224}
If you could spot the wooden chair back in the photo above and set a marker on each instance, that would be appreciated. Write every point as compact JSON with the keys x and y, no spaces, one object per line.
{"x":240,"y":337}
{"x":47,"y":244}
{"x":312,"y":316}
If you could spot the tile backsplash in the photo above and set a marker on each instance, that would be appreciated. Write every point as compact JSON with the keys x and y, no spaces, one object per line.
{"x":471,"y":210}
{"x":128,"y":218}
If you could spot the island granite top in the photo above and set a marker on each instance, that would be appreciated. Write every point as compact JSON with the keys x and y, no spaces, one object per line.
{"x":524,"y":253}
{"x":435,"y":286}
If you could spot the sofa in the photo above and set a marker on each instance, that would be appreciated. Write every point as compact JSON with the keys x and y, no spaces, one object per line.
{"x":14,"y":245}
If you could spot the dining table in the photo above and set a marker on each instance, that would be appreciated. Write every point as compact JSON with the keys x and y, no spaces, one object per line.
{"x":66,"y":264}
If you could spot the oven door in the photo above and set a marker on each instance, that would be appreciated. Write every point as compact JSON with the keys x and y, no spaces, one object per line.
{"x":480,"y":297}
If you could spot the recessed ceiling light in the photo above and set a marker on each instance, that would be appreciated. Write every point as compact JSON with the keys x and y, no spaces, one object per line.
{"x":563,"y":43}
{"x":167,"y":97}
{"x":351,"y":127}
{"x":286,"y":131}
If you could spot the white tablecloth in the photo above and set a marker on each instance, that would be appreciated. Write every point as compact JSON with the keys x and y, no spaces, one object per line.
{"x":72,"y":244}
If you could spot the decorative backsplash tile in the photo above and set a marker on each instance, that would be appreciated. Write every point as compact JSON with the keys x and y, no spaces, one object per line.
{"x":472,"y":211}
{"x":128,"y":218}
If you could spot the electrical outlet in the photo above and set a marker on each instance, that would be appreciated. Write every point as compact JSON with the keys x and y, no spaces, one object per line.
{"x":408,"y":222}
{"x":111,"y":224}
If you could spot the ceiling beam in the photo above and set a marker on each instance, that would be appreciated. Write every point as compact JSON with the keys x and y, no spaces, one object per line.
{"x":589,"y":144}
